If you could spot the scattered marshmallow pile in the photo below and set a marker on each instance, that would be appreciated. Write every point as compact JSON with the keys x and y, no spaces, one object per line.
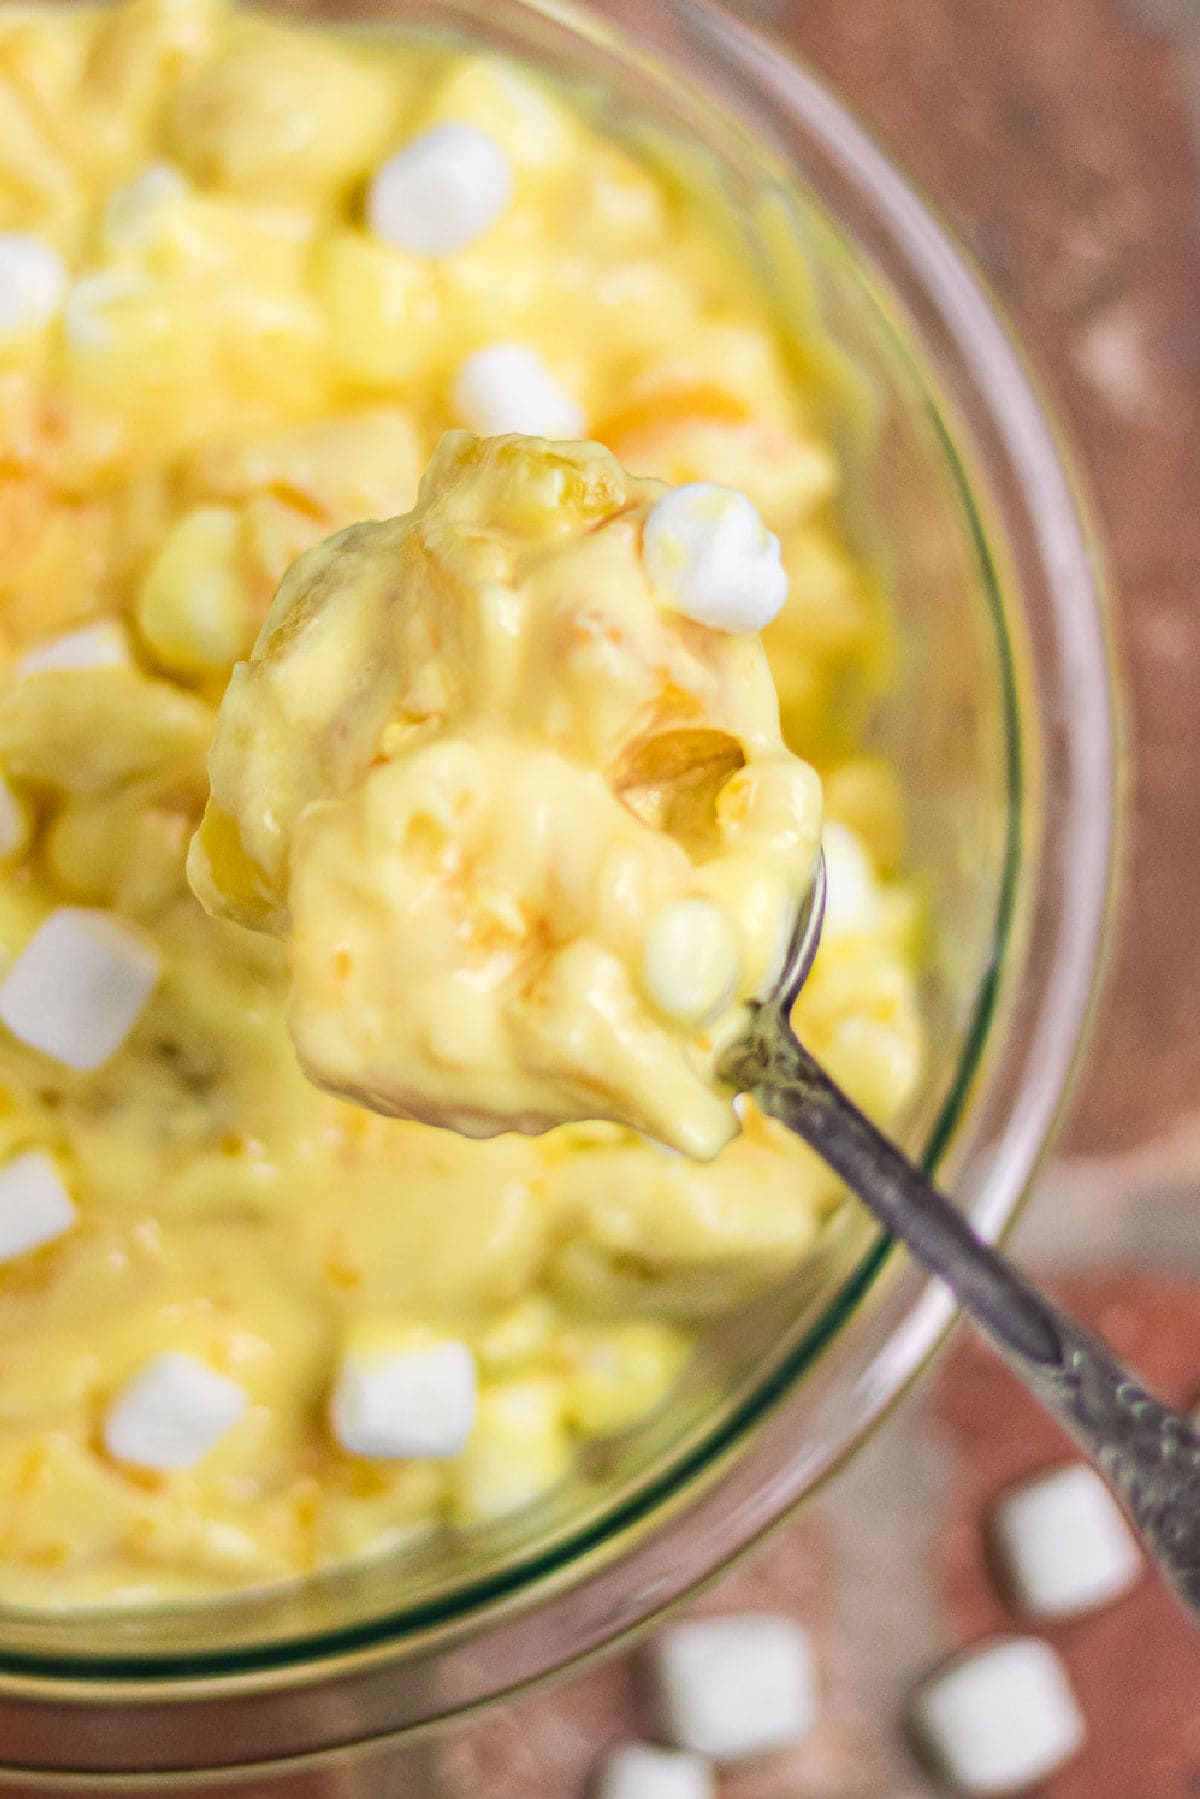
{"x":994,"y":1721}
{"x":711,"y":557}
{"x":723,"y":1690}
{"x":1004,"y":1716}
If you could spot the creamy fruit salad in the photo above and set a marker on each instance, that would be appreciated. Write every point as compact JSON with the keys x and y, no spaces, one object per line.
{"x":526,"y":817}
{"x":250,"y":274}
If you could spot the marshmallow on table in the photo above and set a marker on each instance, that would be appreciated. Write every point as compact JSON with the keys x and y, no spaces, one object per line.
{"x":711,"y":557}
{"x":440,"y":193}
{"x":1001,"y":1718}
{"x":506,"y":388}
{"x":403,"y":1395}
{"x":172,"y":1413}
{"x":690,"y":958}
{"x":734,"y":1687}
{"x":1063,"y":1543}
{"x":35,"y":1206}
{"x":92,"y":646}
{"x":79,"y":985}
{"x":641,"y":1771}
{"x":33,"y":281}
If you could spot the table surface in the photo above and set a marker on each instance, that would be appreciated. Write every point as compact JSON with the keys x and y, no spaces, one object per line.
{"x":1059,"y":138}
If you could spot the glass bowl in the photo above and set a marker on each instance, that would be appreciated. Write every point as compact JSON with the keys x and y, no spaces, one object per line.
{"x":1002,"y":724}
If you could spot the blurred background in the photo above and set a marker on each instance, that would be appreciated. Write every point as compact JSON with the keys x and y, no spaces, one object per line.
{"x":1061,"y":141}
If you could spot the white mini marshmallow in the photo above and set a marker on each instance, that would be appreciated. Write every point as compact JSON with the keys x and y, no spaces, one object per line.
{"x":710,"y":556}
{"x":734,"y":1687}
{"x":505,"y":388}
{"x":78,"y":987}
{"x":33,"y":282}
{"x":440,"y":193}
{"x":104,"y":645}
{"x":1063,"y":1542}
{"x":1001,"y":1718}
{"x":851,"y":889}
{"x":414,"y":1401}
{"x":35,"y":1206}
{"x":641,"y":1771}
{"x":172,"y":1413}
{"x":690,"y":959}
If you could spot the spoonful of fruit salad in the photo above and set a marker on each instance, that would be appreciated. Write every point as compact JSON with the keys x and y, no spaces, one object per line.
{"x":507,"y":772}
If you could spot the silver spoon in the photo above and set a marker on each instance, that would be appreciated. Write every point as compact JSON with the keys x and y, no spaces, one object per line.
{"x":1146,"y":1451}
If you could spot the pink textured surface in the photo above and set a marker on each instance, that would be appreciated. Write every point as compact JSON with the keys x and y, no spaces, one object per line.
{"x":1136,"y":1664}
{"x":550,"y":1742}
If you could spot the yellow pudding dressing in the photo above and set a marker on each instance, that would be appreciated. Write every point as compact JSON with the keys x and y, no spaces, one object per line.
{"x":236,"y":368}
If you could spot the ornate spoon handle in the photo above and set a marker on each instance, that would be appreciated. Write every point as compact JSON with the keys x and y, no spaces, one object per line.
{"x":1146,"y":1450}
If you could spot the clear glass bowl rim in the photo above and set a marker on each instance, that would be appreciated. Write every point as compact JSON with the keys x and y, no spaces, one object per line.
{"x":561,"y":1613}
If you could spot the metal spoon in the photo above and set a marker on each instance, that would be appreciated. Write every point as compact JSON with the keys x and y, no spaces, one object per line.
{"x":1146,"y":1451}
